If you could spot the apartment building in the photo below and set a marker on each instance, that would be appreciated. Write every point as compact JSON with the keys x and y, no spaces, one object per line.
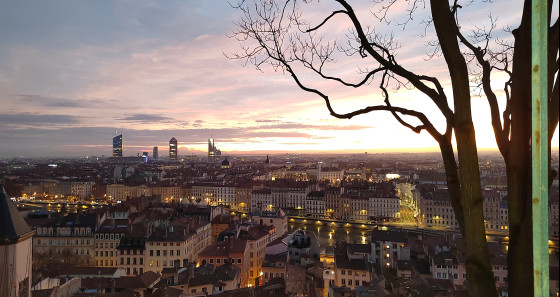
{"x":166,"y":247}
{"x":81,"y":189}
{"x":383,"y":206}
{"x":206,"y":192}
{"x":121,"y":192}
{"x":69,"y":239}
{"x":168,"y":193}
{"x":261,"y":199}
{"x":277,"y":218}
{"x":289,"y":194}
{"x":225,"y":195}
{"x":332,"y":200}
{"x":350,"y":270}
{"x":359,"y":208}
{"x":243,"y":197}
{"x":234,"y":251}
{"x":131,"y":253}
{"x":389,"y":247}
{"x":315,"y":204}
{"x":107,"y":239}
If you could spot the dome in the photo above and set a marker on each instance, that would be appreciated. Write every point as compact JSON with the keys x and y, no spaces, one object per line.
{"x":226,"y":163}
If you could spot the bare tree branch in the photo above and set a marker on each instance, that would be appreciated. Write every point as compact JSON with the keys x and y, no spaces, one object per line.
{"x":479,"y":53}
{"x":325,"y":20}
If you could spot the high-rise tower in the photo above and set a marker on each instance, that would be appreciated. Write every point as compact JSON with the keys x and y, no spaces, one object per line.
{"x":173,"y":149}
{"x":117,"y":146}
{"x":155,"y":153}
{"x":213,"y":153}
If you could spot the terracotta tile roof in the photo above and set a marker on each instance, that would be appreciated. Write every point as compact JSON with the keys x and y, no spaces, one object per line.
{"x":78,"y":271}
{"x":165,"y":292}
{"x":223,"y":248}
{"x":146,"y":280}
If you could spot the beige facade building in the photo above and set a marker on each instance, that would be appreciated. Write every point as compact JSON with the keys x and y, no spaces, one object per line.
{"x":168,"y":193}
{"x":120,"y":192}
{"x":69,"y":239}
{"x":107,"y":239}
{"x":81,"y":190}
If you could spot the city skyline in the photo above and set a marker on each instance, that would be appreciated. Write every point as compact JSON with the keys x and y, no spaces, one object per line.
{"x":70,"y":74}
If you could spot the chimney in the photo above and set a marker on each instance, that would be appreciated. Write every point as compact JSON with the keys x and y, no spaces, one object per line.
{"x":191,"y":270}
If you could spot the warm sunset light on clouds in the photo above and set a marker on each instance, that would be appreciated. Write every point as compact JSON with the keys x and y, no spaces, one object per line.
{"x":74,"y":72}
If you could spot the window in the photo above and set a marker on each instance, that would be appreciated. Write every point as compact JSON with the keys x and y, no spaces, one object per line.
{"x":343,"y":272}
{"x":211,"y":260}
{"x":151,"y":253}
{"x":218,"y":261}
{"x":344,"y":281}
{"x":151,"y":263}
{"x":239,"y":261}
{"x":158,"y":253}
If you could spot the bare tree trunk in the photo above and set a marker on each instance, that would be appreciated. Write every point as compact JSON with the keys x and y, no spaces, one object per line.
{"x":518,"y":158}
{"x":453,"y":185}
{"x":480,"y":278}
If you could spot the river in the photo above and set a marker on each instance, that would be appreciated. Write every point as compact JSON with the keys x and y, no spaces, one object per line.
{"x":328,"y":233}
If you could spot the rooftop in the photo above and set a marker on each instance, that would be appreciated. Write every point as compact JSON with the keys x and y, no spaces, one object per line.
{"x":12,"y":225}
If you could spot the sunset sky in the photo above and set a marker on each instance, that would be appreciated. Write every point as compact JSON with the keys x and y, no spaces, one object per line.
{"x":73,"y":73}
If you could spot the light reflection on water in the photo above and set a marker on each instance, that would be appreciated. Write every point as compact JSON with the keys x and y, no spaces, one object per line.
{"x":329,"y":234}
{"x":58,"y":207}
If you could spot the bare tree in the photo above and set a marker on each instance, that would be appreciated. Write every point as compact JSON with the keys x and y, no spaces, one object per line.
{"x":274,"y":33}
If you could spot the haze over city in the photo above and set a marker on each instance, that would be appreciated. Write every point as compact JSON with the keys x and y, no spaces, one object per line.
{"x":74,"y":74}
